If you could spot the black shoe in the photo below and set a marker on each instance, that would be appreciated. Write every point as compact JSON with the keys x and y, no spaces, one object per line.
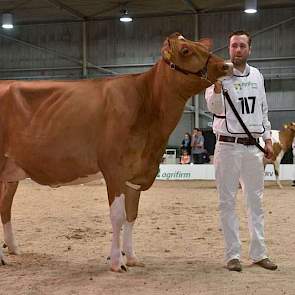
{"x":267,"y":264}
{"x":234,"y":265}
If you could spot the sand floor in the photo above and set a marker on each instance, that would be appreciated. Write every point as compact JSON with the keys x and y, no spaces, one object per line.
{"x":64,"y":236}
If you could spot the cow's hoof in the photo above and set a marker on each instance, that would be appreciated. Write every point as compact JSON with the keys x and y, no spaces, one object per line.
{"x":3,"y":262}
{"x":120,"y":269}
{"x":279,"y":184}
{"x":134,"y":262}
{"x":12,"y":249}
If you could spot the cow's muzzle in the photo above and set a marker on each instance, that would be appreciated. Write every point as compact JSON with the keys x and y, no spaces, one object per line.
{"x":228,"y":69}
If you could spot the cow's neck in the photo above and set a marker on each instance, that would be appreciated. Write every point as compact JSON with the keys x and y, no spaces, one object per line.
{"x":177,"y":85}
{"x":170,"y":92}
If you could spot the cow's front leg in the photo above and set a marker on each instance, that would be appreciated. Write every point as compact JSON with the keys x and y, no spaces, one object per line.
{"x":131,"y":205}
{"x":118,"y":217}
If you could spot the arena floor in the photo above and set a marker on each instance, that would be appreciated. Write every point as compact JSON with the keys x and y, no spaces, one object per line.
{"x":64,"y":235}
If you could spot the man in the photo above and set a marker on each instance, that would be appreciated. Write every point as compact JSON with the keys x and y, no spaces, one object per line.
{"x":197,"y":144}
{"x":237,"y":159}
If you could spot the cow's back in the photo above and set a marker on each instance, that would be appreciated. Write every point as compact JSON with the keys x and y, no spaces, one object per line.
{"x":52,"y":128}
{"x":60,"y":131}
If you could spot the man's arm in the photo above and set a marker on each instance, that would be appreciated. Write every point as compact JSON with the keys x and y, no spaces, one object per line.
{"x":214,"y":98}
{"x":266,"y":123}
{"x":266,"y":135}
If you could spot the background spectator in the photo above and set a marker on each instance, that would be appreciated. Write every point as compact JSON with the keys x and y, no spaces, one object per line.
{"x":198,"y":154}
{"x":185,"y":158}
{"x":186,"y":144}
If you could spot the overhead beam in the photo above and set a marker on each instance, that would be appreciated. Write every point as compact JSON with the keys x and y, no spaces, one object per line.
{"x":54,"y":52}
{"x":261,"y":31}
{"x":19,"y":5}
{"x":191,"y":5}
{"x":68,"y":9}
{"x":113,"y":7}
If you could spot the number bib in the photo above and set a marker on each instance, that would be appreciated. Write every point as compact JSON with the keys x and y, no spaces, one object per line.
{"x":246,"y":93}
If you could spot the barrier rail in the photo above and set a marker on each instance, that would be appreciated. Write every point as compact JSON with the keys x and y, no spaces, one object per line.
{"x":206,"y":171}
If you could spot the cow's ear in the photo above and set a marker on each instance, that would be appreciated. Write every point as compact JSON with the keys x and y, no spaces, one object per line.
{"x":208,"y":43}
{"x":165,"y":51}
{"x":166,"y":54}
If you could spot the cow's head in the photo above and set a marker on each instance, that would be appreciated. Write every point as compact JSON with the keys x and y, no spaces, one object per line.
{"x":290,"y":126}
{"x":194,"y":58}
{"x":287,"y":135}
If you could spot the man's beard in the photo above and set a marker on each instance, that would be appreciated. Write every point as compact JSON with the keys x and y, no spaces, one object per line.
{"x":238,"y":61}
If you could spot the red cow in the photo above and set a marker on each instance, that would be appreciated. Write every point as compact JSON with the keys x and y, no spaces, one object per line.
{"x":57,"y":132}
{"x":281,"y":142}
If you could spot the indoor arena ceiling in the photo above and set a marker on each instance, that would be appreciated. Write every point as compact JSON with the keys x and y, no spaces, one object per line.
{"x":47,"y":11}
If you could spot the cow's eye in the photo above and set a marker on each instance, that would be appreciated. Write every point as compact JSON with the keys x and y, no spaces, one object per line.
{"x":185,"y":51}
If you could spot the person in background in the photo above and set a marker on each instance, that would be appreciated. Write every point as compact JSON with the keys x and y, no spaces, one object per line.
{"x":236,"y":158}
{"x":185,"y":158}
{"x":186,"y":144}
{"x":197,"y":144}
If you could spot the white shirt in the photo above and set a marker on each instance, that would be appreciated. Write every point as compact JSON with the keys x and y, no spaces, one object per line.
{"x":247,"y":93}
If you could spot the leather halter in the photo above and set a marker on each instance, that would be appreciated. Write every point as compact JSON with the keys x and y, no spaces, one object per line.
{"x":203,"y":73}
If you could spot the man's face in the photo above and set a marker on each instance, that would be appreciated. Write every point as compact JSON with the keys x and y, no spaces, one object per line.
{"x":239,"y":49}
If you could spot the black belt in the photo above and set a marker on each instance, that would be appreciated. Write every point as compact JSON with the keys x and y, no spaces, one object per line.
{"x":241,"y":140}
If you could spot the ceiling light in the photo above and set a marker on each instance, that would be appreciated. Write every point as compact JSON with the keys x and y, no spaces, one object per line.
{"x":7,"y":21}
{"x":125,"y":17}
{"x":250,"y":6}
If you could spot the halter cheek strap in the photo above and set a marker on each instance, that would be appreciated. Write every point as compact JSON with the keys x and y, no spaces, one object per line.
{"x":203,"y":73}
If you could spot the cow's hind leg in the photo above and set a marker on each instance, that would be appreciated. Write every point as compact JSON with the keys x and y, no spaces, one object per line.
{"x":277,"y":175}
{"x":8,"y":190}
{"x":131,"y":207}
{"x":276,"y":165}
{"x":2,"y":193}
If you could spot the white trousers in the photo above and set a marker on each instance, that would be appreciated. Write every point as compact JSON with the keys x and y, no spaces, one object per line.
{"x":236,"y":163}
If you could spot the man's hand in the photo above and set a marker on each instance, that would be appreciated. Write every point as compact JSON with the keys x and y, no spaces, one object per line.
{"x":217,"y":87}
{"x":268,"y":149}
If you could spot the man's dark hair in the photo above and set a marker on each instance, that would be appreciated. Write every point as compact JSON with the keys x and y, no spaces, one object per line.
{"x":239,"y":33}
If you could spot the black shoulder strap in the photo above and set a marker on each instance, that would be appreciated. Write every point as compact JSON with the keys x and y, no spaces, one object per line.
{"x":226,"y":95}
